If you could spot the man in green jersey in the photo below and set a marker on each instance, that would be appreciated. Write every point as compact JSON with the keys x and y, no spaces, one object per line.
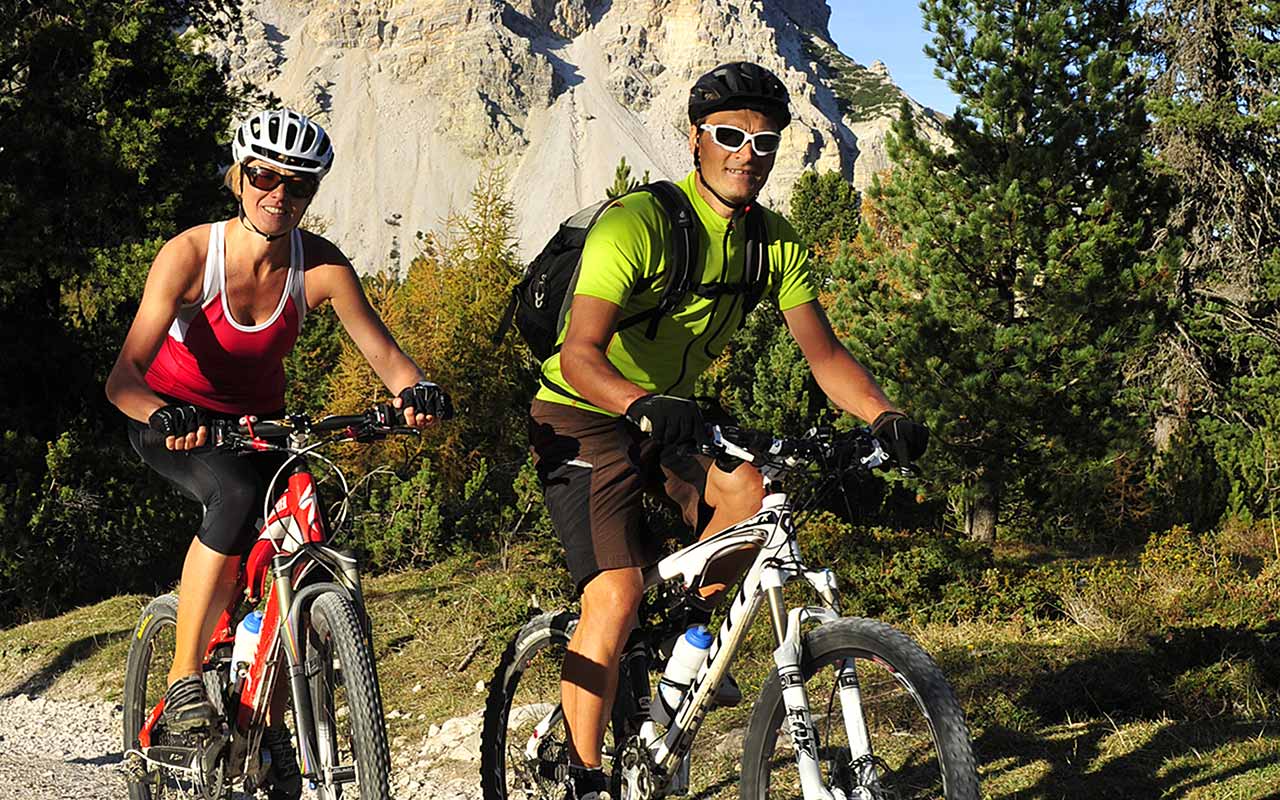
{"x":594,"y":462}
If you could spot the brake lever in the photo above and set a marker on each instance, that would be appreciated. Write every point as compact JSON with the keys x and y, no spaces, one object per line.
{"x":723,"y":446}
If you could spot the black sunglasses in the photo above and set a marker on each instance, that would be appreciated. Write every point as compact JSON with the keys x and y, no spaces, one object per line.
{"x":299,"y":186}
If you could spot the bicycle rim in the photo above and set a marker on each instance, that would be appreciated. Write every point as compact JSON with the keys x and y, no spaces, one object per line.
{"x":524,"y":744}
{"x":349,"y":734}
{"x":919,"y":744}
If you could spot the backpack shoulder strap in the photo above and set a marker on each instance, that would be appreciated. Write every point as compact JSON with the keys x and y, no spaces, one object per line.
{"x":682,"y":246}
{"x":757,"y":259}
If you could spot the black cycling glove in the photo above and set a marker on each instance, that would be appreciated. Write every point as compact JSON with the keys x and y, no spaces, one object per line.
{"x":427,"y":398}
{"x":670,"y":420}
{"x":903,"y":438}
{"x":175,"y":420}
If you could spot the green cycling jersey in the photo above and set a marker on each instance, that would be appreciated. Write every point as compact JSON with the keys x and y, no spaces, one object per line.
{"x":623,"y":263}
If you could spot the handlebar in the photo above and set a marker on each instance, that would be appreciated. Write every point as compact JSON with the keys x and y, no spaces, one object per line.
{"x":247,"y":433}
{"x":823,"y":446}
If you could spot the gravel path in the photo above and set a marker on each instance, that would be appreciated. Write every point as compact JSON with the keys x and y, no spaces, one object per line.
{"x":59,"y":749}
{"x":66,"y":749}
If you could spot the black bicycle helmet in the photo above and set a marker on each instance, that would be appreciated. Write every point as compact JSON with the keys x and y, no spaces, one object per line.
{"x":740,"y":84}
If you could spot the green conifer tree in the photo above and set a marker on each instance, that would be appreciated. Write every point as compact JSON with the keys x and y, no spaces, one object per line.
{"x":622,"y":180}
{"x":110,"y":129}
{"x":1023,"y":275}
{"x":1216,"y":373}
{"x":826,"y":212}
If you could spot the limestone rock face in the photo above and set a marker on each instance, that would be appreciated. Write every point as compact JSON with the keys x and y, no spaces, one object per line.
{"x":421,"y":95}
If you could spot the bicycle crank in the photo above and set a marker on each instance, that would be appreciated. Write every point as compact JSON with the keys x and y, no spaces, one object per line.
{"x":634,"y":774}
{"x":203,"y":765}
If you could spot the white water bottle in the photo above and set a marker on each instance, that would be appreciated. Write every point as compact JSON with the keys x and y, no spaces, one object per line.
{"x":686,"y":659}
{"x":247,"y":634}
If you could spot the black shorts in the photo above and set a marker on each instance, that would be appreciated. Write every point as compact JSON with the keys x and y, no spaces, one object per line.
{"x":230,"y":486}
{"x":595,"y":470}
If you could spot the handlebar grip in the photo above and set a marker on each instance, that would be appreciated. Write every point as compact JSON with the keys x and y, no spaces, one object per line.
{"x":156,"y":439}
{"x":151,"y":438}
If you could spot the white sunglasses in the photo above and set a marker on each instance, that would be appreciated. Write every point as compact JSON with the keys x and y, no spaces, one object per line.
{"x":763,"y":143}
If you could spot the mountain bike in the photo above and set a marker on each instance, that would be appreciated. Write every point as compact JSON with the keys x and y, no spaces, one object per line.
{"x":853,"y":709}
{"x":315,"y":634}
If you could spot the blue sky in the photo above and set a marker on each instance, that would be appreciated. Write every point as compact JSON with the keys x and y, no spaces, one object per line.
{"x":890,"y":30}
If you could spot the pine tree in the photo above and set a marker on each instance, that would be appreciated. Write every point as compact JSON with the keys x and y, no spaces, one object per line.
{"x":623,"y":183}
{"x":1216,"y":104}
{"x":825,"y":210}
{"x":1023,"y":277}
{"x":110,"y":129}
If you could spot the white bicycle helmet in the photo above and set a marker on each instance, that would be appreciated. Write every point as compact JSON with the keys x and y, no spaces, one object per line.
{"x":286,"y":139}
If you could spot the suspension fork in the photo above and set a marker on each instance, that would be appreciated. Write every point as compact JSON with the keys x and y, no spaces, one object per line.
{"x":855,"y":722}
{"x":788,"y":658}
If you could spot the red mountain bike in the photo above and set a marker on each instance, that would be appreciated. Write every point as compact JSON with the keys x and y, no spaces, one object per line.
{"x":314,"y":631}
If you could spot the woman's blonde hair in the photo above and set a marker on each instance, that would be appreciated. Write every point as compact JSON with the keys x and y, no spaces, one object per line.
{"x":232,"y":179}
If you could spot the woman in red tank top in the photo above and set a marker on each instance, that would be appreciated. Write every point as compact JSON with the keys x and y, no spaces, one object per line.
{"x":222,"y":307}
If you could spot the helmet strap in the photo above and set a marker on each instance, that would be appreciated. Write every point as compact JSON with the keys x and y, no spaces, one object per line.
{"x":697,"y":165}
{"x":247,"y":223}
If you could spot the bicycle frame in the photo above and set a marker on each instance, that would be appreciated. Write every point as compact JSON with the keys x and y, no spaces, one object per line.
{"x":777,"y":562}
{"x":297,"y":520}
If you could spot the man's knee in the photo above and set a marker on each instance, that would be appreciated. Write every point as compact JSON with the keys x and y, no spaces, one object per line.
{"x":611,"y":598}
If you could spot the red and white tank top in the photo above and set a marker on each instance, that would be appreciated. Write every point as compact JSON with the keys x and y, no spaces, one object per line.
{"x":210,"y":360}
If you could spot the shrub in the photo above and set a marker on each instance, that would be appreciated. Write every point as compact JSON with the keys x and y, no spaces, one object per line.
{"x":80,"y":525}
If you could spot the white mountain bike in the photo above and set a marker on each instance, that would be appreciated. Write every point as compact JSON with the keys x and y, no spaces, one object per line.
{"x":853,"y":710}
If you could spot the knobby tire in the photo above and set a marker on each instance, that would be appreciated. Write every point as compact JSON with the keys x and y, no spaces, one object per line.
{"x":361,"y":734}
{"x":906,"y":697}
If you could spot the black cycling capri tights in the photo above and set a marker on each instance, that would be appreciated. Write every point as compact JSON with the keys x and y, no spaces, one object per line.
{"x":230,"y":486}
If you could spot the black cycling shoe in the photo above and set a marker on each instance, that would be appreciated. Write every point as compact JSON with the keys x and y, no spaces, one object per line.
{"x":285,"y":780}
{"x":186,"y":707}
{"x":586,"y":784}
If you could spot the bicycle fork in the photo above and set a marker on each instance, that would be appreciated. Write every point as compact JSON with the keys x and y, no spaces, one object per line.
{"x":798,"y":717}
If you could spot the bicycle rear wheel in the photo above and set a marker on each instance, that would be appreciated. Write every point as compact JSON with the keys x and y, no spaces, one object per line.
{"x":919,"y":742}
{"x":523,"y":744}
{"x":350,"y":732}
{"x":146,"y":677}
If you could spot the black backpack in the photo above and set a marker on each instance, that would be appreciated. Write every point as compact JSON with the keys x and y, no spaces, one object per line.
{"x":541,"y":299}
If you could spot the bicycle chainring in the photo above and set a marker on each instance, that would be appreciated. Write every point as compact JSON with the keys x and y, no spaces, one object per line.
{"x":635,"y":775}
{"x":212,"y":750}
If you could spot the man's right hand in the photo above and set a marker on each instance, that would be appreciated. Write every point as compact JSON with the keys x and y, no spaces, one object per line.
{"x":183,"y":426}
{"x":670,"y":420}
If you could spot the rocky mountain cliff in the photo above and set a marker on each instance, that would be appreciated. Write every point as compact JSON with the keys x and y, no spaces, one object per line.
{"x":420,"y":95}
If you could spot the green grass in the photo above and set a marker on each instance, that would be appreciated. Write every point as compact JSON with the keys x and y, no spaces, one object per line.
{"x":1168,"y":704}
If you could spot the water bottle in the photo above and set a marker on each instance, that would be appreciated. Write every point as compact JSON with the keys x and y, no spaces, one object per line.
{"x":686,"y":659}
{"x":247,"y":634}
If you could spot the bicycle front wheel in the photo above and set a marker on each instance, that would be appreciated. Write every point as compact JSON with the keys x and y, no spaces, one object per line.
{"x":917,"y":743}
{"x":350,"y":733}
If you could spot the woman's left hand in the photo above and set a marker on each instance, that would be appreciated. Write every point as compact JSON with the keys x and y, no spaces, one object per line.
{"x":423,"y":404}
